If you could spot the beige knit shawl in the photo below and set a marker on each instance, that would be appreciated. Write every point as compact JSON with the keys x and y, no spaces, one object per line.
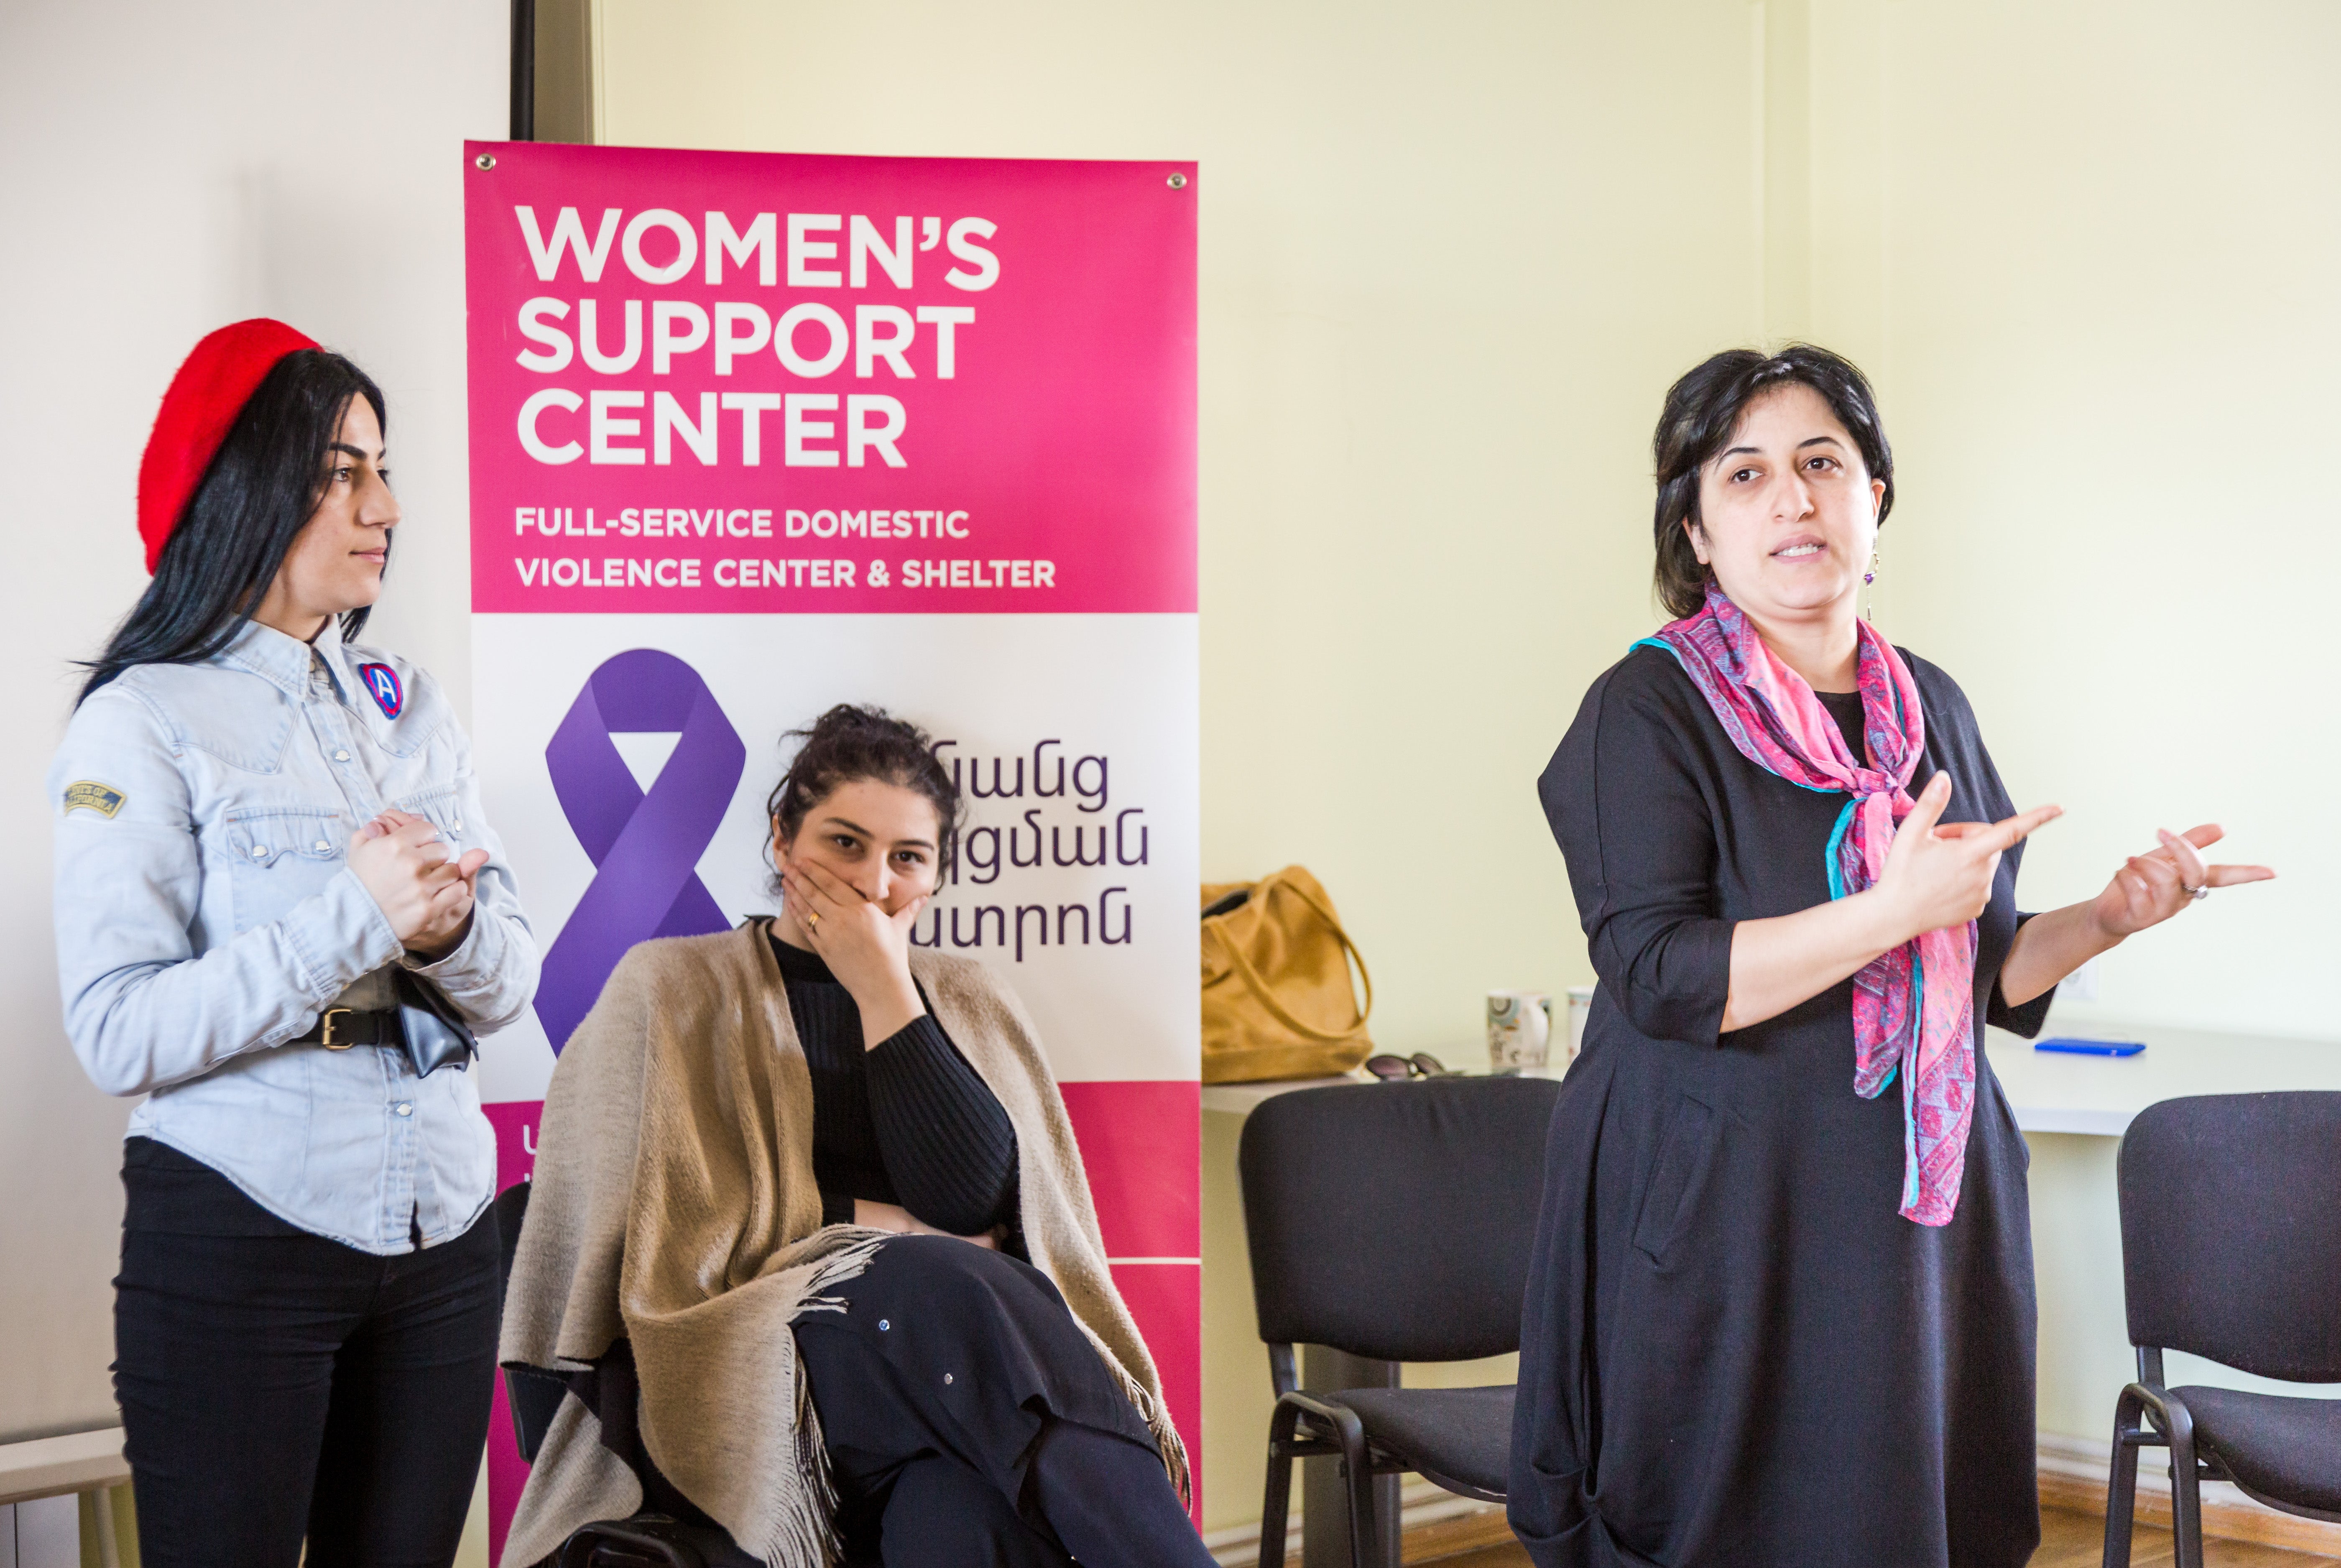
{"x":673,"y":1204}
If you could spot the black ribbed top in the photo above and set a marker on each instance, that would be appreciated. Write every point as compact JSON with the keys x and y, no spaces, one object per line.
{"x":1845,"y":707}
{"x":909,"y":1123}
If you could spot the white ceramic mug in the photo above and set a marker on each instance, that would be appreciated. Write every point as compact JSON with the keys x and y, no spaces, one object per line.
{"x":1520,"y":1030}
{"x":1580,"y":1008}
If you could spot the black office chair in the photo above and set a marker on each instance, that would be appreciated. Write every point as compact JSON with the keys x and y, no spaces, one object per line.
{"x":648,"y":1540}
{"x":1392,"y":1222}
{"x":532,"y":1392}
{"x":2231,"y":1250}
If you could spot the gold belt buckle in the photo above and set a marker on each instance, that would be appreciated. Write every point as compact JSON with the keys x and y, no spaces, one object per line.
{"x":328,"y":1022}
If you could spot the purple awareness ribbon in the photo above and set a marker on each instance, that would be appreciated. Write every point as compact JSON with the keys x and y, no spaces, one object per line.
{"x":645,"y":848}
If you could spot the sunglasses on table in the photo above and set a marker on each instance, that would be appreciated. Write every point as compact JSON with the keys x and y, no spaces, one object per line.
{"x":1398,"y":1069}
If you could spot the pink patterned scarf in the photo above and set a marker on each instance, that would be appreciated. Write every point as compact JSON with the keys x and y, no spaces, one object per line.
{"x":1913,"y":1008}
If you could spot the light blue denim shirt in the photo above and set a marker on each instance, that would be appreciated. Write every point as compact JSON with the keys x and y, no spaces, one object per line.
{"x":206,"y":915}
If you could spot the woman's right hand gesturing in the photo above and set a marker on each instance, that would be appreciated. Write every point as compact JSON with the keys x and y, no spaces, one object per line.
{"x":1936,"y":873}
{"x":1940,"y":873}
{"x":424,"y":892}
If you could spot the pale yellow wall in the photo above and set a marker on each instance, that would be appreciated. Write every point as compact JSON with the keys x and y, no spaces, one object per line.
{"x":2090,"y":252}
{"x":1450,"y":258}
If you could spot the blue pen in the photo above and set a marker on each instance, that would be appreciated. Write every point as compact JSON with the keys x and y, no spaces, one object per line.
{"x":2072,"y":1046}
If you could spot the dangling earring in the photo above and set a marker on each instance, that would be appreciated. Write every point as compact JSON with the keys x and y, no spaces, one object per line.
{"x":1869,"y":580}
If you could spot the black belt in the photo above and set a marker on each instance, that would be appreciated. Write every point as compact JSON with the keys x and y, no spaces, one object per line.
{"x":339,"y":1028}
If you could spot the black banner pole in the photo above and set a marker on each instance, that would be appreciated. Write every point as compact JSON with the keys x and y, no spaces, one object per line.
{"x":524,"y":70}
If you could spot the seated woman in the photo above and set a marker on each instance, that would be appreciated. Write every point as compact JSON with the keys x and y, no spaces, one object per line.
{"x":811,"y":1232}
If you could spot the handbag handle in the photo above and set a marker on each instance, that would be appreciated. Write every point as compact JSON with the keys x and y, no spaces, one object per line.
{"x":1259,"y":987}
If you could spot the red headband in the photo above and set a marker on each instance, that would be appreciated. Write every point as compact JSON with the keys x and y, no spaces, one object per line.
{"x":210,"y":390}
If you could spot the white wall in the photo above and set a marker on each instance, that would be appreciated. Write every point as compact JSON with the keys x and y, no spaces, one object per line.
{"x":2089,"y":251}
{"x":168,"y":169}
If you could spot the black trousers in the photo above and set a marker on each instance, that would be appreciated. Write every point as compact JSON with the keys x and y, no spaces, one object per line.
{"x":277,"y":1386}
{"x":970,"y":1424}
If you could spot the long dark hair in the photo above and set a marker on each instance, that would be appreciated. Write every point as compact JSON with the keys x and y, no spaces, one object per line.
{"x":850,"y":742}
{"x":259,"y":493}
{"x":1702,"y":411}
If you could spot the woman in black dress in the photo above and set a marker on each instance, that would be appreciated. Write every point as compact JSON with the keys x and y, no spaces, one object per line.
{"x":1781,"y":1309}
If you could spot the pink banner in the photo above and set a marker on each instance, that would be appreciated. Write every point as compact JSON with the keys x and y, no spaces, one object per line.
{"x":755,"y":433}
{"x":723,"y":383}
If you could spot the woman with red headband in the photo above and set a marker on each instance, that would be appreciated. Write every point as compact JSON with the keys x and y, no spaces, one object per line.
{"x":281,"y":917}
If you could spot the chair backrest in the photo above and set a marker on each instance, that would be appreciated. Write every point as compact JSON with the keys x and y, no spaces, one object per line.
{"x":533,"y":1393}
{"x":2231,"y":1231}
{"x":1394,"y":1221}
{"x":512,"y":1209}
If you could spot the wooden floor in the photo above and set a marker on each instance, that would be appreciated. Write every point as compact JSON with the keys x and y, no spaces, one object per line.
{"x":2078,"y":1541}
{"x":2066,"y":1541}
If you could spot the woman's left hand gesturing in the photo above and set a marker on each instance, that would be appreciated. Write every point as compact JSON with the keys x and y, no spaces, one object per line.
{"x":2147,"y":891}
{"x":2152,"y":888}
{"x":866,"y":948}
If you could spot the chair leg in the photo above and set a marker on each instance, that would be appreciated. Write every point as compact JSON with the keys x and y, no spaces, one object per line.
{"x":2121,"y":1489}
{"x":1357,"y":1469}
{"x":2185,"y":1500}
{"x":1278,"y":1502}
{"x":109,"y":1549}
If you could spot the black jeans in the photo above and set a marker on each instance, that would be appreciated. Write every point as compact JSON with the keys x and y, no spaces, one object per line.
{"x":277,"y":1386}
{"x":1089,"y":1499}
{"x":970,"y":1424}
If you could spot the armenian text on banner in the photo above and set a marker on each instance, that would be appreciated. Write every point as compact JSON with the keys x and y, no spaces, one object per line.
{"x":755,"y":433}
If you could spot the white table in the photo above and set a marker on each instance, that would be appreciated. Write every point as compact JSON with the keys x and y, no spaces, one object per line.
{"x":2051,"y":1092}
{"x":78,"y":1462}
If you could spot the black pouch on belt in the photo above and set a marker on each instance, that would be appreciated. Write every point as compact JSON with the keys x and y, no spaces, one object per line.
{"x":436,"y":1034}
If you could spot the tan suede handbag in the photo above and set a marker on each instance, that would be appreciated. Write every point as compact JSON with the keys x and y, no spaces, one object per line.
{"x":1277,"y":998}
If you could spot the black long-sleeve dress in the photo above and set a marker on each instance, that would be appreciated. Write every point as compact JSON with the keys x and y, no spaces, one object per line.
{"x":1733,"y":1350}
